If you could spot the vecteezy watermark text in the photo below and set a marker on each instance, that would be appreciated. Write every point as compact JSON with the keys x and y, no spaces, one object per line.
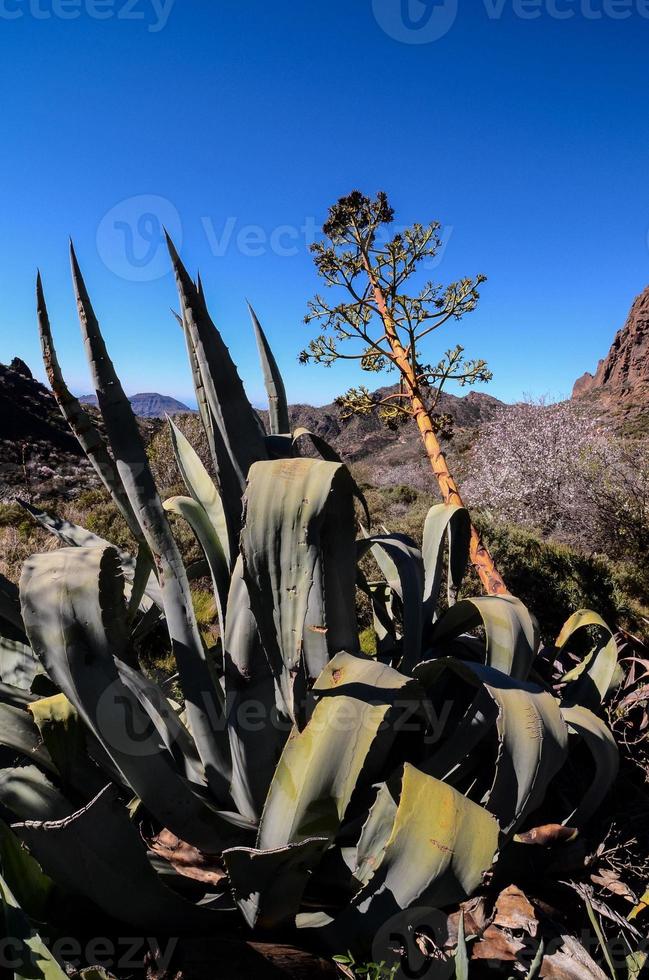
{"x":154,"y":13}
{"x":124,"y":953}
{"x":131,"y":237}
{"x":425,"y":21}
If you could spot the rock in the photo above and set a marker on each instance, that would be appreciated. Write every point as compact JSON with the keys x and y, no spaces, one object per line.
{"x":21,"y":368}
{"x":620,"y":385}
{"x":627,"y":363}
{"x":38,"y":450}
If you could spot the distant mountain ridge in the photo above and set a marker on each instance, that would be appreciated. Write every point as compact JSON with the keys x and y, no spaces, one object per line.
{"x":148,"y":404}
{"x":396,"y":456}
{"x":41,"y":455}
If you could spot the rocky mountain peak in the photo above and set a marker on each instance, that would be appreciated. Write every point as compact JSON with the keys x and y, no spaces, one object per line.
{"x":626,"y":365}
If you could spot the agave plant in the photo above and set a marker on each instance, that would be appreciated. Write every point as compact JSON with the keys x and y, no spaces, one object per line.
{"x":337,"y":790}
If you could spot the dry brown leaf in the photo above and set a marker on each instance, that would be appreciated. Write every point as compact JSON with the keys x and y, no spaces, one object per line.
{"x":188,"y":860}
{"x":610,"y":880}
{"x":497,"y":945}
{"x":571,"y":962}
{"x":476,"y":920}
{"x":515,"y":912}
{"x":587,"y":892}
{"x":548,"y":835}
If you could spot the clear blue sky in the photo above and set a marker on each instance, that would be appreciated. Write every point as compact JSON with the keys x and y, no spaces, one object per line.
{"x":526,"y":136}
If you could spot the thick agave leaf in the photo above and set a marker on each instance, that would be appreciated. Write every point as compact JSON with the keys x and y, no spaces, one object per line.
{"x":97,"y":852}
{"x":440,"y":848}
{"x":26,"y":953}
{"x":359,"y":705}
{"x":280,"y":447}
{"x":591,"y":680}
{"x":319,"y":444}
{"x":512,"y":636}
{"x":226,"y":477}
{"x":256,"y":727}
{"x":62,"y":735}
{"x":198,"y":520}
{"x":268,"y":885}
{"x":384,"y":614}
{"x":32,"y":888}
{"x":401,"y":562}
{"x":298,"y":553}
{"x":200,"y":485}
{"x":11,"y":622}
{"x":16,"y":696}
{"x":19,"y":733}
{"x":606,"y":757}
{"x":18,"y":665}
{"x":375,"y":835}
{"x":199,"y":390}
{"x":453,"y":523}
{"x":31,"y":795}
{"x":80,"y":421}
{"x":277,"y":402}
{"x":75,"y":536}
{"x":142,"y":573}
{"x":204,"y":719}
{"x":232,"y":412}
{"x":75,"y":616}
{"x":532,"y":737}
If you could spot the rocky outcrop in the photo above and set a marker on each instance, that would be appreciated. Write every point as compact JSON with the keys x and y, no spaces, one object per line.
{"x":39,"y":457}
{"x":620,"y":385}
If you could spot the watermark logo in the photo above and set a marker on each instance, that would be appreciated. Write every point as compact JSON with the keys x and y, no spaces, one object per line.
{"x":130,"y":237}
{"x":131,"y":241}
{"x":154,"y":13}
{"x":415,"y":21}
{"x":125,"y":726}
{"x":417,"y":941}
{"x":129,"y":953}
{"x":425,"y":21}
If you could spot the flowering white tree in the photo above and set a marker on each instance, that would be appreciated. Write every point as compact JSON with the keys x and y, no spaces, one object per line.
{"x":557,"y":469}
{"x":530,"y":463}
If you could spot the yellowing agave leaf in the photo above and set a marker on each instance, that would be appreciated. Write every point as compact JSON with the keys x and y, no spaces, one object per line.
{"x":451,"y":522}
{"x":532,"y":737}
{"x":511,"y":632}
{"x":19,"y":733}
{"x":202,"y":488}
{"x":198,"y":519}
{"x":441,"y":847}
{"x":342,"y":748}
{"x":63,"y":736}
{"x":589,"y":682}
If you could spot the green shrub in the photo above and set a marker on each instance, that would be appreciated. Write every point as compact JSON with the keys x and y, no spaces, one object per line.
{"x":554,"y":580}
